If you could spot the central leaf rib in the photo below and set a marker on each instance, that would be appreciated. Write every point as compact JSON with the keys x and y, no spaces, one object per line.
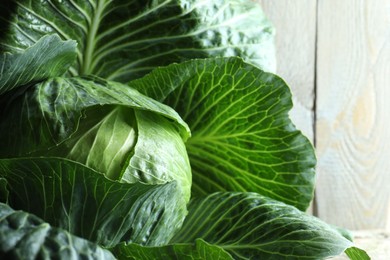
{"x":86,"y":67}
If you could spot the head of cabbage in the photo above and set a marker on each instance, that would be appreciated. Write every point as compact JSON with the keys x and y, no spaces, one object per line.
{"x":103,"y":125}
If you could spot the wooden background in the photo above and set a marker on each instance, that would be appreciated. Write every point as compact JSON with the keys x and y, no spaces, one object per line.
{"x":335,"y":55}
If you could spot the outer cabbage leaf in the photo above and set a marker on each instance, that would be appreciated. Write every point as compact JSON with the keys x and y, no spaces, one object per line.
{"x":73,"y":197}
{"x":104,"y":125}
{"x":122,"y":40}
{"x":251,"y":226}
{"x":25,"y":236}
{"x":4,"y":193}
{"x":344,"y":232}
{"x":200,"y":250}
{"x":48,"y":57}
{"x":242,"y":137}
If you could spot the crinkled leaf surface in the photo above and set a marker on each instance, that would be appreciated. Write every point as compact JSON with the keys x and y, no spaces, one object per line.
{"x":48,"y":57}
{"x":104,"y":125}
{"x":122,"y":40}
{"x":159,"y":155}
{"x":104,"y":140}
{"x":251,"y":226}
{"x":73,"y":197}
{"x":242,"y":137}
{"x":54,"y":107}
{"x":25,"y":236}
{"x":200,"y":250}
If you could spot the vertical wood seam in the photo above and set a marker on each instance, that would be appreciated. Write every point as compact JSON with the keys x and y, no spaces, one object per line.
{"x":315,"y":201}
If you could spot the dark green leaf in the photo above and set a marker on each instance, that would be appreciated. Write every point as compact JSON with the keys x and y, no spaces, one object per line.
{"x":200,"y":250}
{"x":73,"y":197}
{"x":251,"y":226}
{"x":4,"y":193}
{"x":123,"y":40}
{"x":48,"y":57}
{"x":25,"y":236}
{"x":242,"y":137}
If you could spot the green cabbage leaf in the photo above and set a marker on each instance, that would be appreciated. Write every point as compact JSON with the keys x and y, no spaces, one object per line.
{"x":23,"y":234}
{"x":249,"y":226}
{"x":242,"y":137}
{"x":122,"y":40}
{"x":49,"y":57}
{"x":151,"y":130}
{"x":75,"y":198}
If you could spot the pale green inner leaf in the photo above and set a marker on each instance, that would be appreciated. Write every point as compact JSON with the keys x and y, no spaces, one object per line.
{"x":105,"y":138}
{"x":160,"y":155}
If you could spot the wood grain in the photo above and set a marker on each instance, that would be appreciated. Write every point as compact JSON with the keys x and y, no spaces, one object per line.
{"x":295,"y":23}
{"x":353,"y":113}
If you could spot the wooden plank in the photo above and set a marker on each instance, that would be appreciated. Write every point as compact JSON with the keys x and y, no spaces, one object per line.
{"x":353,"y":121}
{"x":295,"y":23}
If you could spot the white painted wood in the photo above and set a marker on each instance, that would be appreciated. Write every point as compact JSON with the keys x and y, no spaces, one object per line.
{"x":295,"y":23}
{"x":353,"y":113}
{"x":375,"y":242}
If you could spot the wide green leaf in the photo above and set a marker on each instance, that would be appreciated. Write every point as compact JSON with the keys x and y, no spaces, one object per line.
{"x":73,"y":197}
{"x":242,"y":136}
{"x":200,"y":250}
{"x":48,"y":57}
{"x":251,"y":226}
{"x":104,"y":125}
{"x":123,"y":40}
{"x":25,"y":236}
